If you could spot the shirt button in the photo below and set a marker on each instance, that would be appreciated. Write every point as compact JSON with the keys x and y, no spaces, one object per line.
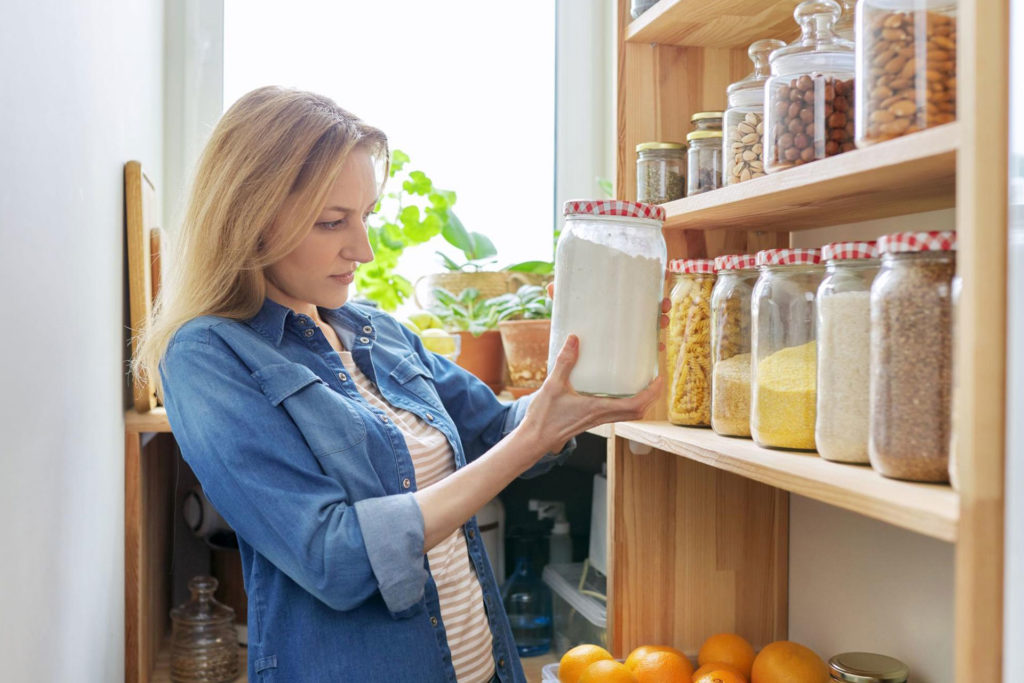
{"x":367,"y":329}
{"x":364,"y":340}
{"x":472,"y":533}
{"x":384,"y":419}
{"x":430,"y":417}
{"x":302,"y":322}
{"x":308,"y":333}
{"x":501,"y":662}
{"x":406,"y":483}
{"x":342,"y":376}
{"x":433,"y":621}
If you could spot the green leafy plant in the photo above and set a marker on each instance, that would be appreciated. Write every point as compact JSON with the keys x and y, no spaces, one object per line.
{"x":465,"y":312}
{"x":536,"y":267}
{"x":478,"y":249}
{"x":529,"y":302}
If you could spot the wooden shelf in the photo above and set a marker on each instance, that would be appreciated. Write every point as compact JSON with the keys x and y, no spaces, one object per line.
{"x":929,"y":509}
{"x":714,"y":23}
{"x":605,"y":430}
{"x":153,"y":421}
{"x":903,"y":176}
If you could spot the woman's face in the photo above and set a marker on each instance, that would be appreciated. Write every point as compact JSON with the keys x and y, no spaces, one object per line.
{"x":319,"y":271}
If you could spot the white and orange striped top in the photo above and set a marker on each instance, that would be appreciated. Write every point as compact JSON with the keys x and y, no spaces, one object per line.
{"x":462,"y":601}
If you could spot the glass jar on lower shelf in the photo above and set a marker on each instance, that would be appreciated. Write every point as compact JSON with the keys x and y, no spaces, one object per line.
{"x":204,"y":647}
{"x":784,"y":351}
{"x":866,"y":667}
{"x":688,"y":347}
{"x":660,"y":172}
{"x":730,"y":344}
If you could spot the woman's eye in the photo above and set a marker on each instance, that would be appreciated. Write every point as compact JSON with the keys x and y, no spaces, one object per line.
{"x":331,"y":225}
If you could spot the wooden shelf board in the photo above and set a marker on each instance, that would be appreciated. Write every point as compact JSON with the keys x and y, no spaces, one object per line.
{"x":605,"y":430}
{"x":929,"y":509}
{"x":714,"y":23}
{"x":894,"y":178}
{"x":153,"y":421}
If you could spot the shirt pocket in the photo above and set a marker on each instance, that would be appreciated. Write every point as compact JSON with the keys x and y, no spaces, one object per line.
{"x":417,"y":380}
{"x":327,"y":422}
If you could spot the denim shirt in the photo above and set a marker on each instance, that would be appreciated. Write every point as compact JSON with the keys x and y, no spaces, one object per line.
{"x":317,"y":485}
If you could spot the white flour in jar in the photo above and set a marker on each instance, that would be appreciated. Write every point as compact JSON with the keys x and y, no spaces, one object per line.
{"x":841,"y":432}
{"x":612,"y":302}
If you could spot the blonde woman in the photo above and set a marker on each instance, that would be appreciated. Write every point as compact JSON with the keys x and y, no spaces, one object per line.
{"x":349,"y":460}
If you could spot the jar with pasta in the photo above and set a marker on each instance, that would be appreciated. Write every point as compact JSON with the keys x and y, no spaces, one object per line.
{"x":784,"y":349}
{"x":742,"y":143}
{"x":688,"y":347}
{"x":730,"y":344}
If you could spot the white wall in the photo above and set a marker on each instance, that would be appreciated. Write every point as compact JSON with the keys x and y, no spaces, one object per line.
{"x":81,"y":94}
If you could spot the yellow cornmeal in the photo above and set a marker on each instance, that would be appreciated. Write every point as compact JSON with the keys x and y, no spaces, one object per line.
{"x":689,"y":351}
{"x":784,"y":407}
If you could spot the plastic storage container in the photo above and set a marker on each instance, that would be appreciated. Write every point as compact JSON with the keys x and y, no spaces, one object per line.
{"x":688,"y":343}
{"x":809,"y":96}
{"x":911,"y":356}
{"x":527,"y":601}
{"x":579,"y":610}
{"x":844,"y":339}
{"x":610,"y":270}
{"x":730,"y":344}
{"x":784,"y":354}
{"x":743,"y":121}
{"x":204,"y":646}
{"x":867,"y":667}
{"x":906,"y":67}
{"x":660,"y":172}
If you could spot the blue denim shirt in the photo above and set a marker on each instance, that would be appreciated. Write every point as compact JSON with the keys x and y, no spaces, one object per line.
{"x":316,"y":483}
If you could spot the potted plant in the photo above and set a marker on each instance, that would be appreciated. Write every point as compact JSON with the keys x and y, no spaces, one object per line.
{"x":474,"y":319}
{"x":524,"y":321}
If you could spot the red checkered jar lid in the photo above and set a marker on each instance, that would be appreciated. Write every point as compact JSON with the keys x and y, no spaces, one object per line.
{"x":613,"y":207}
{"x":904,"y":242}
{"x":696,"y":265}
{"x":736,"y":262}
{"x":842,"y":251}
{"x":788,"y":257}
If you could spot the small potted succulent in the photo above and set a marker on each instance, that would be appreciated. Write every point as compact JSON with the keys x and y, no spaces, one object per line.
{"x":524,"y":320}
{"x":474,"y":319}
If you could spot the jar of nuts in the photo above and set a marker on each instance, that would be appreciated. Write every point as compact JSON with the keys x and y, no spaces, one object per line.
{"x":742,"y":148}
{"x":660,"y":172}
{"x":809,"y":96}
{"x":906,"y":66}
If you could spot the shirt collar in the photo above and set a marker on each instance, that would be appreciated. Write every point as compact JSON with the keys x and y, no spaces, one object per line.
{"x":272,"y":318}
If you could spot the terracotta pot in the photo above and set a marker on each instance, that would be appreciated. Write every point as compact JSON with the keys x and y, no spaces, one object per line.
{"x":483,"y":357}
{"x":526,"y":349}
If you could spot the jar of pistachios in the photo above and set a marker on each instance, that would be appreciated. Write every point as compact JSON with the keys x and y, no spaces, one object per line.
{"x":660,"y":172}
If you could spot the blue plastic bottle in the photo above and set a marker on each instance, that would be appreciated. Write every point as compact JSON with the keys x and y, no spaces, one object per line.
{"x":527,"y":601}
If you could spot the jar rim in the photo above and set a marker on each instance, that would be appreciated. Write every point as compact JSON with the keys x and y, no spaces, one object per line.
{"x":660,"y":145}
{"x":703,"y":135}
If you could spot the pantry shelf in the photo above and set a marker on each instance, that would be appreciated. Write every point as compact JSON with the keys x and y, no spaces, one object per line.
{"x":723,"y":23}
{"x":895,"y":178}
{"x":153,"y":421}
{"x":929,"y":509}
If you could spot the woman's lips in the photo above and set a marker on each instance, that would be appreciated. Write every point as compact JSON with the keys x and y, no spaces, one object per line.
{"x":345,"y":279}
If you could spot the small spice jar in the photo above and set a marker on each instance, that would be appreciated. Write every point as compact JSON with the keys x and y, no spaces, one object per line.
{"x":867,"y":667}
{"x":783,"y":348}
{"x":742,"y":143}
{"x":730,"y":344}
{"x":844,"y":323}
{"x":906,"y":67}
{"x":704,"y":157}
{"x":809,"y":96}
{"x":911,"y":356}
{"x":688,"y":345}
{"x":660,"y":172}
{"x":204,"y":647}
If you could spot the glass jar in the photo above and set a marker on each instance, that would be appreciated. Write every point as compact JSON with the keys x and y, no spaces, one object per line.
{"x":707,"y":120}
{"x":638,"y":7}
{"x":610,"y":270}
{"x":742,"y":147}
{"x":845,"y":28}
{"x":844,"y":323}
{"x":907,"y":67}
{"x":703,"y":161}
{"x":809,"y":96}
{"x":730,"y":344}
{"x":911,"y":356}
{"x":954,"y":476}
{"x":867,"y":667}
{"x":204,"y":647}
{"x":660,"y":174}
{"x":688,"y":343}
{"x":783,"y":349}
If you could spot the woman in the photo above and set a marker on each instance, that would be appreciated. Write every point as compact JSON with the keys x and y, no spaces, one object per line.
{"x":349,"y":460}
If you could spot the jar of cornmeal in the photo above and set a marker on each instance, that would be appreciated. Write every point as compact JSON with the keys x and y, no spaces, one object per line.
{"x":730,"y":344}
{"x":688,"y":343}
{"x":784,"y":353}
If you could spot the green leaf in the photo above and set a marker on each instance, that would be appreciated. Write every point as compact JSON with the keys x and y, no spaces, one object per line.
{"x":418,"y":183}
{"x":454,"y":232}
{"x":442,"y":200}
{"x":391,"y":236}
{"x":483,"y":247}
{"x":398,"y":160}
{"x":538,"y":267}
{"x":447,"y":262}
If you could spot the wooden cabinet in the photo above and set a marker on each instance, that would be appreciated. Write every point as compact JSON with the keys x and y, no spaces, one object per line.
{"x":701,"y":521}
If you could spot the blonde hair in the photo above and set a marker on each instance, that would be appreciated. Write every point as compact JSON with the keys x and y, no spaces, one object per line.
{"x":261,"y":181}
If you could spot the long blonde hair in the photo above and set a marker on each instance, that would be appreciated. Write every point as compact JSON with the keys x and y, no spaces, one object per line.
{"x":274,"y":153}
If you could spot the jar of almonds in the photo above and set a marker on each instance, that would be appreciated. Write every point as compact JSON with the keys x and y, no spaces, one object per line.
{"x":907,"y":67}
{"x":809,"y":96}
{"x":742,"y":148}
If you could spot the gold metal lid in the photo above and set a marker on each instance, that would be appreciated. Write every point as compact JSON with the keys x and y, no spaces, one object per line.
{"x":867,"y":667}
{"x":660,"y":145}
{"x":703,"y":135}
{"x":702,"y":115}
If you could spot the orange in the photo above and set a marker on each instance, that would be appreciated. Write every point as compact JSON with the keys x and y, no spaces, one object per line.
{"x":576,"y":660}
{"x":719,"y":666}
{"x":663,"y":667}
{"x":728,"y":648}
{"x":606,"y":671}
{"x":716,"y":675}
{"x":787,"y":662}
{"x":644,"y":650}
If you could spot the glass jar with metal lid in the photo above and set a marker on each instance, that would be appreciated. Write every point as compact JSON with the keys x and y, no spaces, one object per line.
{"x":688,"y":343}
{"x":867,"y":667}
{"x":704,"y":156}
{"x":730,"y":344}
{"x":743,"y":121}
{"x":845,"y":27}
{"x":707,"y":120}
{"x":660,"y":172}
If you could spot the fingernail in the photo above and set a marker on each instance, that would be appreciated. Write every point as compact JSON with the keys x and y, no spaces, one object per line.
{"x":574,"y":341}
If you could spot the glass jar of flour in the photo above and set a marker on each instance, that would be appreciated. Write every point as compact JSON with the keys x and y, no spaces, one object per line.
{"x":609,"y":283}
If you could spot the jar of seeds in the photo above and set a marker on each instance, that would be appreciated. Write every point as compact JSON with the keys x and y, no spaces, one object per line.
{"x":809,"y":96}
{"x":703,"y":161}
{"x":911,"y":356}
{"x":730,"y":344}
{"x":688,"y":343}
{"x":742,"y":148}
{"x":660,"y":174}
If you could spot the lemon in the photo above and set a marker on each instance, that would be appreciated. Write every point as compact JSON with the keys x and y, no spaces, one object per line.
{"x":438,"y":341}
{"x":425,"y":321}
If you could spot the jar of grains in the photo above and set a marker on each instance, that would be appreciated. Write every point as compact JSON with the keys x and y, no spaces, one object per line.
{"x":954,"y":475}
{"x":783,"y":349}
{"x":911,"y":356}
{"x":660,"y":174}
{"x":610,"y":270}
{"x":844,"y":319}
{"x":743,"y":151}
{"x":906,"y":67}
{"x":809,"y":96}
{"x":730,"y":344}
{"x":688,"y":344}
{"x":866,"y":667}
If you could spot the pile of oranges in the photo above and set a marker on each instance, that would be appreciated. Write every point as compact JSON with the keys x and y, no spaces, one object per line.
{"x":723,"y":658}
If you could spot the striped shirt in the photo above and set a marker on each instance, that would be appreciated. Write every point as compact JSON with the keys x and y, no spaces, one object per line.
{"x":458,"y":589}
